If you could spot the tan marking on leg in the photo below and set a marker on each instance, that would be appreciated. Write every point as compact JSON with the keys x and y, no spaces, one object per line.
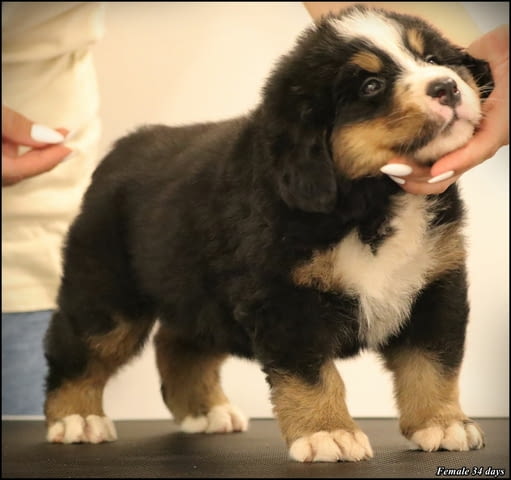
{"x":120,"y":344}
{"x":190,"y":378}
{"x":415,"y":41}
{"x":84,"y":395}
{"x":426,"y":395}
{"x":367,"y":61}
{"x":303,"y":409}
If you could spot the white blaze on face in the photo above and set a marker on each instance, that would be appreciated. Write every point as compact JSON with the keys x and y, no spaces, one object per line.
{"x":387,"y":35}
{"x":377,"y":30}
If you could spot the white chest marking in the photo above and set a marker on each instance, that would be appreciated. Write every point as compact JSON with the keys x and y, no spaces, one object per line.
{"x":387,"y":283}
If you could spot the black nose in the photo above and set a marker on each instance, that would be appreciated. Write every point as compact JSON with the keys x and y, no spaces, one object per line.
{"x":445,"y":90}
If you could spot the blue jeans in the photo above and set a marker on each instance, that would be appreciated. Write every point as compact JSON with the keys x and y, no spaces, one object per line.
{"x":23,"y":362}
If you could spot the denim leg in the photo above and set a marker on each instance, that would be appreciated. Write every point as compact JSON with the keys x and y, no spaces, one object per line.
{"x":23,"y":362}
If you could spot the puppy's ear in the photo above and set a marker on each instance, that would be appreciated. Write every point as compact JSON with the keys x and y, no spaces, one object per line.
{"x":481,"y":72}
{"x":296,"y":113}
{"x":305,"y":175}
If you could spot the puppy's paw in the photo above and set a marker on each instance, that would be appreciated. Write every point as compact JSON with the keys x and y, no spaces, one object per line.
{"x":458,"y":436}
{"x":77,"y":429}
{"x":338,"y":445}
{"x":224,"y":418}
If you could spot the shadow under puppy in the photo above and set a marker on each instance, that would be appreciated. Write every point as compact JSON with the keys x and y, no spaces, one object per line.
{"x":275,"y":237}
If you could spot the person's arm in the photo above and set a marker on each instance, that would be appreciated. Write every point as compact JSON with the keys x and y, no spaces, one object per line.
{"x":493,"y":132}
{"x":45,"y":154}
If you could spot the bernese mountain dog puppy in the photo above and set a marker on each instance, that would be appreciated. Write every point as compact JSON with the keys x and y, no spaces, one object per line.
{"x":276,"y":237}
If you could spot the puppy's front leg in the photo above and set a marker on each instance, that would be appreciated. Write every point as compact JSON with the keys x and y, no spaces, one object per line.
{"x":314,"y":419}
{"x":425,"y":359}
{"x":427,"y":397}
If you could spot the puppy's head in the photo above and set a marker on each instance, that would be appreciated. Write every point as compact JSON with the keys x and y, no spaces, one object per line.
{"x":361,"y":88}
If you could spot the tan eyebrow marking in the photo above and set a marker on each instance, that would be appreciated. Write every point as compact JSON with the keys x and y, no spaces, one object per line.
{"x":415,"y":40}
{"x":367,"y":61}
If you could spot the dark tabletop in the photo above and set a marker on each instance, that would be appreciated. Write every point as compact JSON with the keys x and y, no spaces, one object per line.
{"x":156,"y":449}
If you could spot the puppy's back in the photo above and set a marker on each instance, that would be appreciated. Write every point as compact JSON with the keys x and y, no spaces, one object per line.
{"x":160,"y":149}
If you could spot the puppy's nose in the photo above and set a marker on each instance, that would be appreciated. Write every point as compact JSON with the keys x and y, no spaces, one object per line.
{"x":445,"y":91}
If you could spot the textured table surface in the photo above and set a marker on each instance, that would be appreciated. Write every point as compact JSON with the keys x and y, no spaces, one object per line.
{"x":156,"y":449}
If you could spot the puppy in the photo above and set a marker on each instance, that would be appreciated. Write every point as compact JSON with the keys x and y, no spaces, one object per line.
{"x":275,"y":237}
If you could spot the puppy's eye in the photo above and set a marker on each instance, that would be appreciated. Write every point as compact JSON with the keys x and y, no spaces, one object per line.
{"x":372,"y":86}
{"x":431,"y":59}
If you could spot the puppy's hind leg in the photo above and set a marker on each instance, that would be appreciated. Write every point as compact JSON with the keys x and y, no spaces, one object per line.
{"x":103,"y":317}
{"x":190,"y":386}
{"x":80,"y":363}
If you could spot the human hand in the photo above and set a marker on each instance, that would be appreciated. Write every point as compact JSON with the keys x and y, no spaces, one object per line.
{"x":492,"y":133}
{"x":45,"y":153}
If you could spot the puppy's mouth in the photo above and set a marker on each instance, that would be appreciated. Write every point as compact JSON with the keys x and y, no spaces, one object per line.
{"x":445,"y":130}
{"x":437,"y":138}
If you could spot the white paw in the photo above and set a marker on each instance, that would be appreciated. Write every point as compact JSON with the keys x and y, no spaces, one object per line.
{"x":338,"y":445}
{"x":459,"y":436}
{"x":220,"y":419}
{"x":77,"y":429}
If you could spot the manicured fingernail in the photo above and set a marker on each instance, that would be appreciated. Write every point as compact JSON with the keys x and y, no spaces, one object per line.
{"x":397,"y":169}
{"x":397,"y":180}
{"x":441,"y":177}
{"x":44,"y":134}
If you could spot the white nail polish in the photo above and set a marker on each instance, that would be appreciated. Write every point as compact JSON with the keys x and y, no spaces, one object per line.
{"x":441,"y":177}
{"x":397,"y":169}
{"x":44,"y":134}
{"x":397,"y":180}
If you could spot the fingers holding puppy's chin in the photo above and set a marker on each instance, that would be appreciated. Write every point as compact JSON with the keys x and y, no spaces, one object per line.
{"x":422,"y":187}
{"x":417,"y":179}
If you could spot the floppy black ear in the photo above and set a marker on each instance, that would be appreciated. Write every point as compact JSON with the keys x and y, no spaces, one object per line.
{"x":305,"y":175}
{"x":297,"y":111}
{"x":481,"y":72}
